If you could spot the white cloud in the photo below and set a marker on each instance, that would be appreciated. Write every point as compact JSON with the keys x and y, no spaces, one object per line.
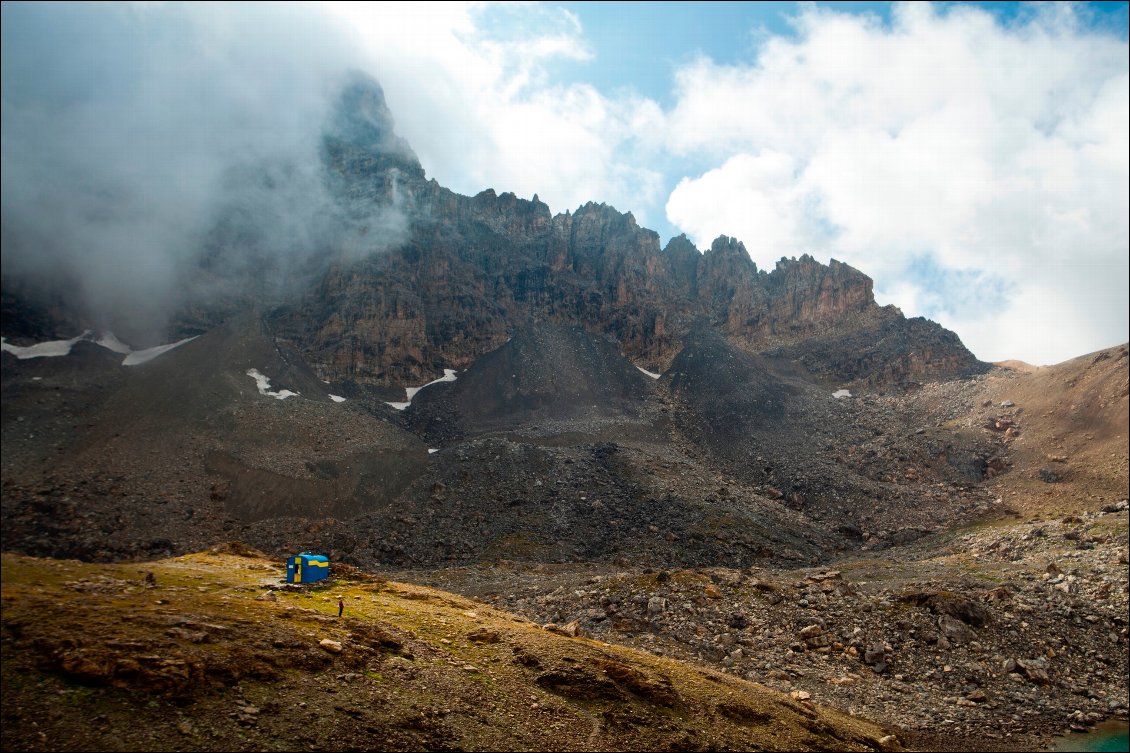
{"x":766,"y":206}
{"x":468,"y":86}
{"x":978,"y":172}
{"x":1041,"y":318}
{"x":122,"y":124}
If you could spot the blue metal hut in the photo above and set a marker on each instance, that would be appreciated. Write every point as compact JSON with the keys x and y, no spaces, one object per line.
{"x":307,"y":568}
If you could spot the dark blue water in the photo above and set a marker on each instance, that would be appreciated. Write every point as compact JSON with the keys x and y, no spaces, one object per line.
{"x":1108,"y":736}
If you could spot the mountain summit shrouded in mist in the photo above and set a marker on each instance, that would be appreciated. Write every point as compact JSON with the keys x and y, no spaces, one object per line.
{"x":270,"y":219}
{"x":382,"y":277}
{"x":361,"y":121}
{"x":129,"y":133}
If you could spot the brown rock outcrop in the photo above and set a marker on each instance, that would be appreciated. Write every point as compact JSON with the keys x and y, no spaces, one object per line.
{"x":479,"y":267}
{"x":408,"y":277}
{"x":475,"y":269}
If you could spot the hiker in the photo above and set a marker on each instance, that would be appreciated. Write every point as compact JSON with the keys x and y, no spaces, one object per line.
{"x":340,"y":606}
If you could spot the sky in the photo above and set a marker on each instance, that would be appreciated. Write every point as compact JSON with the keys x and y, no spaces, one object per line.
{"x":972,"y":158}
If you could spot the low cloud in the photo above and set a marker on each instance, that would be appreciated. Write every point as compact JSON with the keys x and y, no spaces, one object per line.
{"x":140,"y":138}
{"x":132,"y":131}
{"x":758,"y":197}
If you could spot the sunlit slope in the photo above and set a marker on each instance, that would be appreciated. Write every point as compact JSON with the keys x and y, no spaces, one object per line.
{"x":205,"y":659}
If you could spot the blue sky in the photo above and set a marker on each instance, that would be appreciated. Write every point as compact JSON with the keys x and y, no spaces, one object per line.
{"x":970,"y":157}
{"x":639,"y":45}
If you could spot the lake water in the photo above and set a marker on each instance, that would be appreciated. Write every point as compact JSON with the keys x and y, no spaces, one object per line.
{"x":1108,"y":736}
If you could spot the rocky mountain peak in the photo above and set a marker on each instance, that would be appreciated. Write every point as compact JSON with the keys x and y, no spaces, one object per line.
{"x":726,"y":272}
{"x":415,"y":278}
{"x":682,"y":259}
{"x":361,"y":128}
{"x":680,"y":245}
{"x":812,"y":285}
{"x":603,"y":214}
{"x":724,"y":245}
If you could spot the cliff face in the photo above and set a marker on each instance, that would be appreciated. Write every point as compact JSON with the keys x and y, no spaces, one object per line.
{"x":414,"y":278}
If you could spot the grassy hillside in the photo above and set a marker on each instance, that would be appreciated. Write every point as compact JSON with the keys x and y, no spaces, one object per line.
{"x":215,"y":653}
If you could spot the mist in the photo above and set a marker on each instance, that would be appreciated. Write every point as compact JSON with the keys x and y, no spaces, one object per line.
{"x":140,"y":139}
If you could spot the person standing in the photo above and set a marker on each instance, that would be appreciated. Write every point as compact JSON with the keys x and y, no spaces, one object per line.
{"x":340,"y":606}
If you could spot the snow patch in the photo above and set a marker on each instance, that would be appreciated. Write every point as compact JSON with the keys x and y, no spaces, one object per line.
{"x":651,"y":374}
{"x":108,"y":340}
{"x":448,"y":376}
{"x":841,"y":393}
{"x":337,"y":398}
{"x":433,"y":450}
{"x":51,"y":349}
{"x":410,"y":392}
{"x":142,"y":356}
{"x":264,"y":384}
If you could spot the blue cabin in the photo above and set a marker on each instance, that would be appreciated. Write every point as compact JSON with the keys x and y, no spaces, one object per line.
{"x":307,"y":568}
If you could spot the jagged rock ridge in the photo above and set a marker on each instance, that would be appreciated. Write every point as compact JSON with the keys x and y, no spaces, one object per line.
{"x":469,"y":270}
{"x":397,"y":277}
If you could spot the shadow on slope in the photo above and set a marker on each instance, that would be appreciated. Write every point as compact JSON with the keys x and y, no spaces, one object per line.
{"x":545,"y":373}
{"x":856,"y":464}
{"x":730,"y":390}
{"x":47,"y":402}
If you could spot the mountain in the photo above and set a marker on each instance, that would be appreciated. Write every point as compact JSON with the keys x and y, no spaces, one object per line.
{"x":550,"y":322}
{"x":552,"y":442}
{"x":760,"y":472}
{"x":416,"y":278}
{"x":400,"y":278}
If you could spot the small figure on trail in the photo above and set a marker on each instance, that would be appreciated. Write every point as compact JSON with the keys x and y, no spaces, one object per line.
{"x":340,"y":606}
{"x":150,"y":580}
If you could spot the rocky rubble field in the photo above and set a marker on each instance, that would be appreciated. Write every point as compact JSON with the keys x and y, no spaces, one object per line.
{"x":998,"y":636}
